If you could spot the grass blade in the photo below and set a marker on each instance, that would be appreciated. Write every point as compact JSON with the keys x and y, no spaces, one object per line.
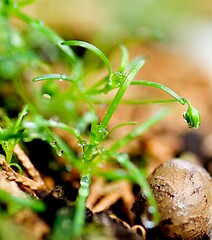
{"x":92,"y":48}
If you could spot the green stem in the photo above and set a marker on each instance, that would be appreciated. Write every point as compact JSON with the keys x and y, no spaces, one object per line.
{"x":132,"y":101}
{"x":79,"y":216}
{"x":161,"y":87}
{"x":125,"y":57}
{"x":137,"y":176}
{"x":140,"y":130}
{"x":20,"y":118}
{"x":120,"y":93}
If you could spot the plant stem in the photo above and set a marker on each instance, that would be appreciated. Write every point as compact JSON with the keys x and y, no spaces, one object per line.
{"x":132,"y":101}
{"x":120,"y":93}
{"x":137,"y":176}
{"x":161,"y":87}
{"x":140,"y":129}
{"x":79,"y":216}
{"x":125,"y":57}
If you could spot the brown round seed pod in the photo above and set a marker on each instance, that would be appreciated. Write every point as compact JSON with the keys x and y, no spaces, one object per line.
{"x":183,"y":192}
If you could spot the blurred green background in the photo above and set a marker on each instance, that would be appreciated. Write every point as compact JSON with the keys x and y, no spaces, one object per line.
{"x":108,"y":22}
{"x":105,"y":24}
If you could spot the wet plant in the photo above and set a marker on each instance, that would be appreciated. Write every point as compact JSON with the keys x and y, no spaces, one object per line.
{"x":88,"y":129}
{"x":121,"y":80}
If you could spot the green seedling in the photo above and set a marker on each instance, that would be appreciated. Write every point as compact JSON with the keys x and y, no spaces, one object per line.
{"x":11,"y":134}
{"x":93,"y":151}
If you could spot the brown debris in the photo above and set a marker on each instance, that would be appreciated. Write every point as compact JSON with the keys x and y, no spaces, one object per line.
{"x":33,"y":184}
{"x":25,"y":161}
{"x":140,"y":230}
{"x":103,"y":195}
{"x":32,"y":223}
{"x":10,"y":186}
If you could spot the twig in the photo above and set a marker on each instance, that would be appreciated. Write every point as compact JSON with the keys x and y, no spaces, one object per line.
{"x":20,"y":179}
{"x":25,"y":161}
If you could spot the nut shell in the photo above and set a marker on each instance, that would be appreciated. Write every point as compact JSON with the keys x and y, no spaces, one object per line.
{"x":183,"y":192}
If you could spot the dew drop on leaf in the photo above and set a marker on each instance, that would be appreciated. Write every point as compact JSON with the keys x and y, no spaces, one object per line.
{"x":63,"y":76}
{"x":60,"y":153}
{"x":46,"y":96}
{"x":53,"y":143}
{"x":147,"y":221}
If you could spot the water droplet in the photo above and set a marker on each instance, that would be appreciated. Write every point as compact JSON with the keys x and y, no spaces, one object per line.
{"x":85,"y":181}
{"x":63,"y":76}
{"x":102,"y":134}
{"x":46,"y":96}
{"x":69,"y":168}
{"x":53,"y":143}
{"x":81,"y":143}
{"x":84,"y":192}
{"x":151,"y":209}
{"x":115,"y":80}
{"x":147,"y":221}
{"x":43,"y":138}
{"x":94,"y":151}
{"x":25,"y":112}
{"x":147,"y":217}
{"x":77,"y":132}
{"x":29,"y":125}
{"x":101,"y":150}
{"x":146,"y":194}
{"x":60,"y":152}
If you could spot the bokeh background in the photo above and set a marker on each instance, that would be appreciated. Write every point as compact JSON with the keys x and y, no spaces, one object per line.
{"x":106,"y":23}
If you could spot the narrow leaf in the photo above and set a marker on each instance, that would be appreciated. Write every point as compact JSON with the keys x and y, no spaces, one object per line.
{"x":92,"y":48}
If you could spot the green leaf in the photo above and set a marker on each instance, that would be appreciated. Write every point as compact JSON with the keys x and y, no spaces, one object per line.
{"x":124,"y":61}
{"x":53,"y":76}
{"x":92,"y":48}
{"x":36,"y":205}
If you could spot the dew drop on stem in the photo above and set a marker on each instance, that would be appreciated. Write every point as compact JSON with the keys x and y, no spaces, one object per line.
{"x":53,"y":143}
{"x":63,"y":76}
{"x":69,"y":168}
{"x":46,"y":96}
{"x":81,"y":143}
{"x":85,"y":181}
{"x":147,"y":221}
{"x":60,"y":152}
{"x":102,"y":134}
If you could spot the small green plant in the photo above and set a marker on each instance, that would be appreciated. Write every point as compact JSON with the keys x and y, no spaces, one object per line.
{"x":121,"y":79}
{"x":12,"y":133}
{"x":92,"y":144}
